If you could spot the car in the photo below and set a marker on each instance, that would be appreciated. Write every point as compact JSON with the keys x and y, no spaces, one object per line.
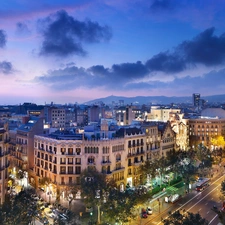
{"x":174,"y":198}
{"x":144,"y":213}
{"x":149,"y":210}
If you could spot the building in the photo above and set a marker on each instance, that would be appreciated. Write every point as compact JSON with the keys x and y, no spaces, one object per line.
{"x":22,"y":145}
{"x":161,"y":114}
{"x":153,"y":140}
{"x":63,"y":159}
{"x":180,"y":127}
{"x":58,"y":118}
{"x":196,"y":99}
{"x":168,"y":137}
{"x":4,"y":161}
{"x":202,"y":129}
{"x":124,"y":115}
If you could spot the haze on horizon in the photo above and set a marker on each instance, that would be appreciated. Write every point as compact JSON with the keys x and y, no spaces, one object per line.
{"x":75,"y":51}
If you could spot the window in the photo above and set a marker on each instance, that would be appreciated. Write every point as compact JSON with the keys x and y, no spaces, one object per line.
{"x":78,"y":169}
{"x":78,"y":151}
{"x":62,"y":161}
{"x":70,"y":160}
{"x":63,"y":151}
{"x":62,"y":169}
{"x":91,"y":159}
{"x":78,"y":161}
{"x":70,"y":151}
{"x":70,"y":170}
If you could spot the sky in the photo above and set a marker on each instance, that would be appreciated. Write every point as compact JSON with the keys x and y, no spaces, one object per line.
{"x":67,"y":51}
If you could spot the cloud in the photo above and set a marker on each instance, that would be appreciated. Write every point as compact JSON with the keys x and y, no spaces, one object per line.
{"x":22,"y":29}
{"x":2,"y":38}
{"x":6,"y":67}
{"x":63,"y":35}
{"x":164,"y":71}
{"x":72,"y":77}
{"x":206,"y":49}
{"x":166,"y":62}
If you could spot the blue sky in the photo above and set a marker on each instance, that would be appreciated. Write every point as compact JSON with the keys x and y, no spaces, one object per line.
{"x":74,"y":51}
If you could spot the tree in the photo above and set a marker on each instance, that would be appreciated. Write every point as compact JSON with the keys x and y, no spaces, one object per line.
{"x":17,"y":210}
{"x":44,"y":181}
{"x":187,"y":218}
{"x":161,"y":164}
{"x":218,"y":141}
{"x":120,"y":205}
{"x":148,"y":168}
{"x":173,"y":160}
{"x":204,"y":155}
{"x":95,"y":188}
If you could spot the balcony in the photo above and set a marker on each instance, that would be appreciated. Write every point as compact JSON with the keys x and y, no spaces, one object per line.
{"x":106,"y":162}
{"x":118,"y":169}
{"x":91,"y":163}
{"x":7,"y":140}
{"x":70,"y":172}
{"x":130,"y":155}
{"x":137,"y":163}
{"x":140,"y":153}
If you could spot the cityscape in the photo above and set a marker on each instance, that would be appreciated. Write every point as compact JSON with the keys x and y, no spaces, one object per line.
{"x":74,"y":163}
{"x":112,"y":112}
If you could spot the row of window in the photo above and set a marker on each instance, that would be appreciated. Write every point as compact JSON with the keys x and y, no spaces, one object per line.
{"x":70,"y":180}
{"x":203,"y":134}
{"x":207,"y":129}
{"x":135,"y":142}
{"x":117,"y":148}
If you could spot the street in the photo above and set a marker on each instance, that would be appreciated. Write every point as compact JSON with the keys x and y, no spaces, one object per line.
{"x":194,"y":202}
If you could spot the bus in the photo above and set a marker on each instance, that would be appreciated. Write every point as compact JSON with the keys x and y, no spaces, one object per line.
{"x":202,"y":184}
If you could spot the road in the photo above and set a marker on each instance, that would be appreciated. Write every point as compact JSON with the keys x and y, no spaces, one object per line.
{"x":194,"y":202}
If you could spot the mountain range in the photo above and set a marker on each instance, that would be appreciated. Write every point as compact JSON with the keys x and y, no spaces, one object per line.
{"x":156,"y":99}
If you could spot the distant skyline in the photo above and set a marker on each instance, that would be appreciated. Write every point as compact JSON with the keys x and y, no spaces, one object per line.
{"x":78,"y":50}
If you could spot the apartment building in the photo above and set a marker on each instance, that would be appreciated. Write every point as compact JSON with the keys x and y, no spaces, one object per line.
{"x":22,"y":145}
{"x":58,"y":118}
{"x":161,"y":114}
{"x":62,"y":160}
{"x":153,"y":140}
{"x":202,"y":129}
{"x":168,"y":137}
{"x":135,"y":154}
{"x":124,"y":115}
{"x":180,"y":127}
{"x":4,"y":162}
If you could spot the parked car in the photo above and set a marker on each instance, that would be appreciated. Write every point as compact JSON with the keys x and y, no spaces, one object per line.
{"x":149,"y":210}
{"x":174,"y":198}
{"x":144,"y":213}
